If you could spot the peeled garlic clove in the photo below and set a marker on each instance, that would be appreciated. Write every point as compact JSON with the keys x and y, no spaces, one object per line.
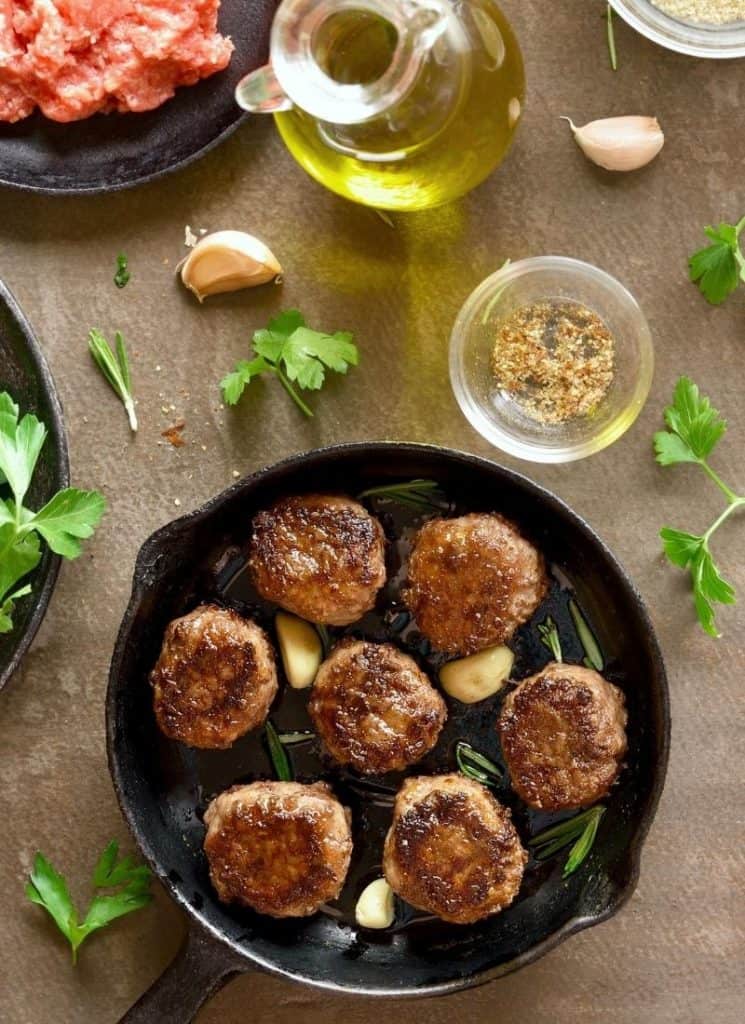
{"x":301,"y":649}
{"x":376,"y":907}
{"x":620,"y":143}
{"x":226,"y":261}
{"x":478,"y":676}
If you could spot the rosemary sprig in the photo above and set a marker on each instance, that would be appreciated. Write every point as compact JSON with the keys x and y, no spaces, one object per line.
{"x":550,"y":638}
{"x":579,"y":830}
{"x":325,"y":637}
{"x":115,"y":369}
{"x":122,"y":275}
{"x":280,"y":760}
{"x":290,"y":739}
{"x":475,"y":765}
{"x":613,"y":56}
{"x":593,"y":654}
{"x":419,"y":494}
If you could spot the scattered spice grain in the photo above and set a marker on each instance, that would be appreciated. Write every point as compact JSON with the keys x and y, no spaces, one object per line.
{"x":555,"y":359}
{"x":174,"y":434}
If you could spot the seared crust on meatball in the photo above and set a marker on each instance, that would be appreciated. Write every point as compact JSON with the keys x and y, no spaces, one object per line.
{"x":215,"y":678}
{"x":563,"y":735}
{"x":282,"y":848}
{"x":320,"y":556}
{"x":452,"y":849}
{"x":374,"y":708}
{"x":472,"y":581}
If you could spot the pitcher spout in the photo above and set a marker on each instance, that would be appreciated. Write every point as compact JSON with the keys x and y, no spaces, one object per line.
{"x":260,"y":93}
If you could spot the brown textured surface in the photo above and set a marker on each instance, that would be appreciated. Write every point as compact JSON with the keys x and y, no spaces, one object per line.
{"x":674,"y":954}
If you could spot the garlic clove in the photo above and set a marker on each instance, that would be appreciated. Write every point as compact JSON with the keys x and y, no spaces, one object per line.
{"x":620,"y":143}
{"x":226,"y":261}
{"x":477,"y":676}
{"x":376,"y":907}
{"x":301,"y":649}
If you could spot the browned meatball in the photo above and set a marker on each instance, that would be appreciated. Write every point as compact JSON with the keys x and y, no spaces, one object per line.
{"x":319,"y":556}
{"x":472,"y":581}
{"x":282,"y":848}
{"x":452,"y":849}
{"x":374,"y":708}
{"x":563,"y":735}
{"x":215,"y":678}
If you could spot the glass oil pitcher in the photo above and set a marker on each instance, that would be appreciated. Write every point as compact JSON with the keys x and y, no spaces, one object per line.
{"x":398,"y":104}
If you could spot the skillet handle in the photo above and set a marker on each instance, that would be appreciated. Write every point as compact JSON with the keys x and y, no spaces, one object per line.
{"x":201,"y":967}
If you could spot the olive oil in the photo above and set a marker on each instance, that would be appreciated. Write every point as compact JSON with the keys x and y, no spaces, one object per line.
{"x":456,"y":93}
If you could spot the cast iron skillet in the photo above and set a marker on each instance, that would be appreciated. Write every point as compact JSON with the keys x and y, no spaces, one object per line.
{"x":115,"y":151}
{"x":24,"y":374}
{"x":164,"y":787}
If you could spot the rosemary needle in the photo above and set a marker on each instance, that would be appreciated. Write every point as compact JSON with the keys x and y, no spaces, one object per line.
{"x":419,"y":494}
{"x":115,"y":369}
{"x":593,"y":655}
{"x":280,"y":760}
{"x":579,"y":830}
{"x":550,"y":638}
{"x":611,"y":39}
{"x":475,"y":765}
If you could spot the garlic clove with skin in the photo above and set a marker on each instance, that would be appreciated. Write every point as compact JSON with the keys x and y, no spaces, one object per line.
{"x":226,"y":261}
{"x":620,"y":143}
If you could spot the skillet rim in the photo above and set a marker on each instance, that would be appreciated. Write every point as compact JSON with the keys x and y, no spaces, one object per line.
{"x":242,"y":956}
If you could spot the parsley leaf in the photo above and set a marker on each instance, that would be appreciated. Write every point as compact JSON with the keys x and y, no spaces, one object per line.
{"x":20,"y":444}
{"x":695,"y":429}
{"x":122,"y":275}
{"x":296,"y":354}
{"x":8,"y":606}
{"x":696,"y":426}
{"x":48,"y":888}
{"x":718,"y":268}
{"x":69,"y":516}
{"x":18,"y":556}
{"x":234,"y":384}
{"x":681,"y":548}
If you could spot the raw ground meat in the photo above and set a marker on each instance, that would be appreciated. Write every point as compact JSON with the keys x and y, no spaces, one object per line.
{"x":72,"y":58}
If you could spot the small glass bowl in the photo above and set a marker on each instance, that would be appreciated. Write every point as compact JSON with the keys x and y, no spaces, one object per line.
{"x":497,"y":416}
{"x":698,"y":40}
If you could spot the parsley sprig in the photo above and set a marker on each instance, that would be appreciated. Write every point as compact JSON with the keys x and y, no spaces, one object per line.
{"x":127,"y":882}
{"x":67,"y":518}
{"x":296,"y":354}
{"x":695,"y":428}
{"x":580,"y":831}
{"x":720,"y":267}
